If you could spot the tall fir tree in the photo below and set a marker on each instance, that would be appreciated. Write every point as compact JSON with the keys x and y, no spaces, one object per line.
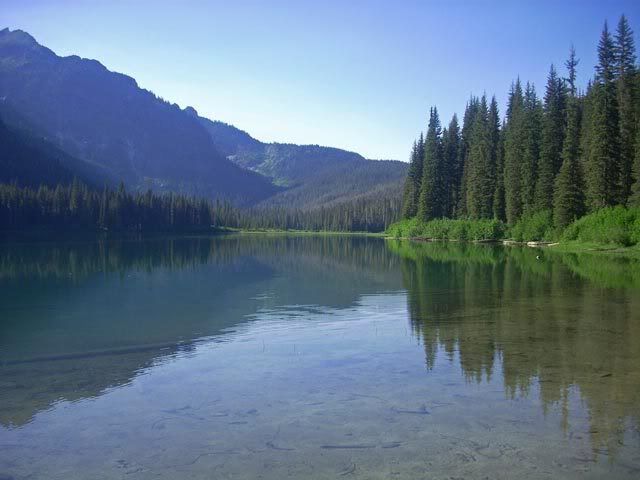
{"x":572,"y":66}
{"x":602,"y":172}
{"x":412,"y":183}
{"x":451,"y":152}
{"x":499,"y":202}
{"x":463,"y":158}
{"x":625,"y":65}
{"x":480,"y":178}
{"x":514,"y":136}
{"x":430,"y":200}
{"x":568,"y":194}
{"x":553,"y":121}
{"x":531,"y":153}
{"x":495,"y":153}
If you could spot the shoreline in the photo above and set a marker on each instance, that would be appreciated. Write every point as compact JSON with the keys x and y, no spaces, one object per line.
{"x":559,"y":247}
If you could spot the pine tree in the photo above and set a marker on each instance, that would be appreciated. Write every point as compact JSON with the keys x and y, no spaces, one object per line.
{"x":568,"y":195}
{"x":513,"y":153}
{"x":480,"y":182}
{"x":531,"y":153}
{"x":495,"y":158}
{"x":625,"y":58}
{"x":499,"y":205}
{"x":451,"y":151}
{"x":430,"y":200}
{"x":602,"y":173}
{"x":552,"y":137}
{"x":572,"y":65}
{"x":463,"y":158}
{"x":634,"y":199}
{"x":412,"y":183}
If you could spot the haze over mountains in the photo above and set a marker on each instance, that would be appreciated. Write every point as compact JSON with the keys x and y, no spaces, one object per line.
{"x":87,"y":121}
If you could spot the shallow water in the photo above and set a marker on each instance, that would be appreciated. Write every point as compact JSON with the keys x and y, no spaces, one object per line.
{"x":316,"y":357}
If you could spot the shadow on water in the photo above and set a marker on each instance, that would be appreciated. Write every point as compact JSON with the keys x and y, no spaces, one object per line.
{"x":550,"y":322}
{"x":81,"y":317}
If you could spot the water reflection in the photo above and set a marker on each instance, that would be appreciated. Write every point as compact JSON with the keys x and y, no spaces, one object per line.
{"x":532,"y":319}
{"x":315,"y":357}
{"x":82,"y":317}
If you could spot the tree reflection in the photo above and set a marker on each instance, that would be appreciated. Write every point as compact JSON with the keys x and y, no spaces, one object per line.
{"x":550,"y":321}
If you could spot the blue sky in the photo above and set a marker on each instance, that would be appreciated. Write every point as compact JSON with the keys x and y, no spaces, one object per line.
{"x":353,"y":74}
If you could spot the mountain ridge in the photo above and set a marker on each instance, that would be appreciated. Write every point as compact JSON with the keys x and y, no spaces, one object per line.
{"x":105,"y":118}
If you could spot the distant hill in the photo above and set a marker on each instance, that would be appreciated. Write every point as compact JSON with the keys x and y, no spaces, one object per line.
{"x":313,"y":175}
{"x":104,"y":118}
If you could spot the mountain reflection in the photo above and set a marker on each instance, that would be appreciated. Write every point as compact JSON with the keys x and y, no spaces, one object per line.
{"x":82,"y":317}
{"x":559,"y":322}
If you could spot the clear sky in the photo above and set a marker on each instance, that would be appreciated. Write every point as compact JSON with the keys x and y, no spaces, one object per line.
{"x":353,"y":74}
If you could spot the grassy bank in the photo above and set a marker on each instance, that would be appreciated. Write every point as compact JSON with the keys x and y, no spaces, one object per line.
{"x":611,"y":230}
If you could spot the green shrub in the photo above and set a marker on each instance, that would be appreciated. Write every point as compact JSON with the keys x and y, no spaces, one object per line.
{"x":534,"y":227}
{"x":611,"y":225}
{"x":447,"y":229}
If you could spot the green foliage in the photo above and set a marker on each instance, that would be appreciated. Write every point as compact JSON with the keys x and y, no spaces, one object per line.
{"x":608,"y":226}
{"x":534,"y":227}
{"x":481,"y":165}
{"x":568,"y":194}
{"x":514,"y":145}
{"x":448,"y":229}
{"x":602,"y":173}
{"x":432,"y":195}
{"x":79,"y":207}
{"x":576,"y":153}
{"x":553,"y":133}
{"x":529,"y":162}
{"x":413,"y":181}
{"x":452,"y":166}
{"x":625,"y":58}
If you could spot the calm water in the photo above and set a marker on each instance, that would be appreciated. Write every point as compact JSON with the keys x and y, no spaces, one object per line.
{"x":275,"y":357}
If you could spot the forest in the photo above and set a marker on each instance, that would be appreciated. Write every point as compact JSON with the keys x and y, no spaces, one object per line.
{"x":77,"y":206}
{"x":550,"y":160}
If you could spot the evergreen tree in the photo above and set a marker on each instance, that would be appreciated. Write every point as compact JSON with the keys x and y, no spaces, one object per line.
{"x":514,"y":136}
{"x":495,"y":158}
{"x":634,"y":199}
{"x":625,"y":58}
{"x":602,"y":173}
{"x":499,"y":205}
{"x":480,"y":180}
{"x":531,"y":152}
{"x":430,"y":200}
{"x":552,"y":137}
{"x":463,"y":157}
{"x":412,"y":183}
{"x":568,"y":195}
{"x":572,"y":65}
{"x":451,"y":149}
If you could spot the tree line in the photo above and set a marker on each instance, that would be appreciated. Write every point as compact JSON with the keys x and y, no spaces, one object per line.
{"x":567,"y":154}
{"x":77,"y":206}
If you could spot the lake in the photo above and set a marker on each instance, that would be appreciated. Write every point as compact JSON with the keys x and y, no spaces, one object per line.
{"x":319,"y":357}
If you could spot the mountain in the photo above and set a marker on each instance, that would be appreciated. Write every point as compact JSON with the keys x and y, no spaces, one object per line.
{"x":104,"y":118}
{"x":31,"y":161}
{"x":313,"y":175}
{"x":116,"y":129}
